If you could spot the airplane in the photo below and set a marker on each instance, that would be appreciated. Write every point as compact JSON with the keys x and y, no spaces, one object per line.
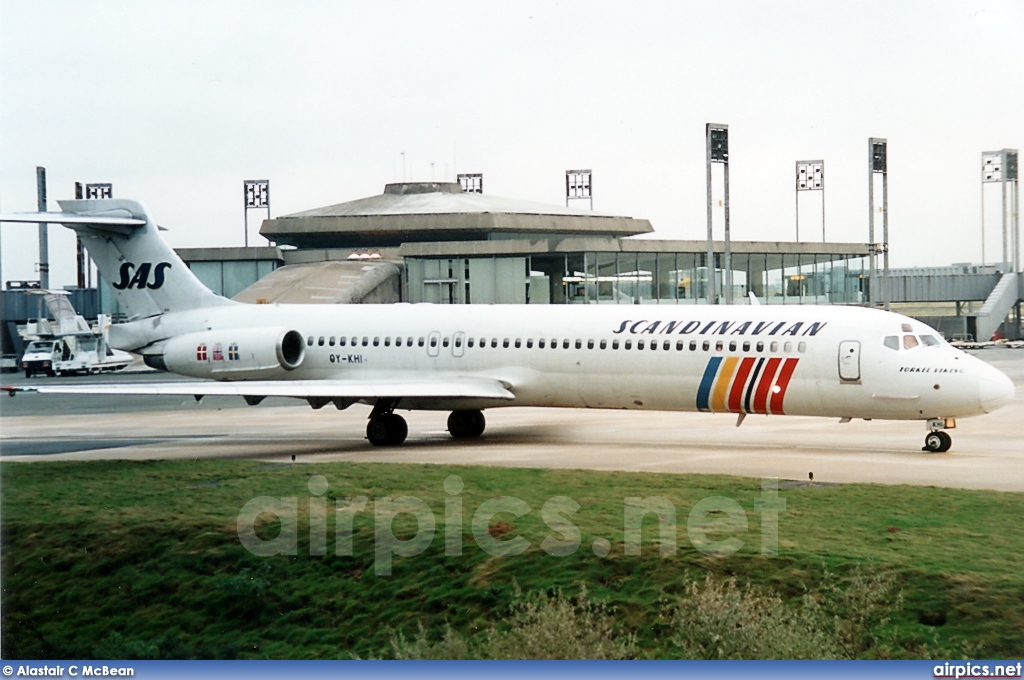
{"x":843,"y":362}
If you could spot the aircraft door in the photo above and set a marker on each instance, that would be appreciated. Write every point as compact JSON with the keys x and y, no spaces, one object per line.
{"x":849,"y":361}
{"x":433,"y":343}
{"x":459,"y":344}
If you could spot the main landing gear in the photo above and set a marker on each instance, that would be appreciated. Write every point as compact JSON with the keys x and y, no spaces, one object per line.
{"x":386,"y":428}
{"x":466,"y":424}
{"x":938,"y":440}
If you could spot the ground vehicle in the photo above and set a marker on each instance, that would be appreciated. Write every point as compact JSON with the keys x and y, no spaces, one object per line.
{"x":41,"y":356}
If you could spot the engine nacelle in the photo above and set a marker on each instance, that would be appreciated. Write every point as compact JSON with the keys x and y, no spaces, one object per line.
{"x":240,"y":354}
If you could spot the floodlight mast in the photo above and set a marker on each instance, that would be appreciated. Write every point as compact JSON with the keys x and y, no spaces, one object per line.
{"x":1001,"y":167}
{"x":579,"y":185}
{"x":878,"y":164}
{"x":256,"y":195}
{"x":717,"y":151}
{"x":810,"y":176}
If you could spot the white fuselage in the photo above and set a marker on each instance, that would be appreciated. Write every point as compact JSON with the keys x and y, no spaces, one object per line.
{"x":795,"y":360}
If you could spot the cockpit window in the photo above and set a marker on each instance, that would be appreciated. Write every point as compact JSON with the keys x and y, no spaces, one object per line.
{"x":910,"y":342}
{"x":892,"y":342}
{"x":930,"y":341}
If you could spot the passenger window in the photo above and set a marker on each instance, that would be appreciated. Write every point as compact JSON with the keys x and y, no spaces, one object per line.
{"x":433,"y":342}
{"x":408,"y":342}
{"x":910,"y":341}
{"x":930,"y":341}
{"x":590,"y":344}
{"x":469,"y":343}
{"x":331,"y":341}
{"x":579,"y":344}
{"x":565,"y":344}
{"x":494,"y":343}
{"x":504,"y":343}
{"x":604,"y":344}
{"x":693,"y":345}
{"x":398,"y":342}
{"x":554,"y":343}
{"x":529,"y":343}
{"x":667,"y":345}
{"x":387,"y":341}
{"x":787,"y":348}
{"x":519,"y":343}
{"x":342,"y":341}
{"x":732,"y":346}
{"x":445,"y":341}
{"x":310,"y":341}
{"x":458,"y":342}
{"x":376,"y":342}
{"x":420,"y":342}
{"x":629,"y":344}
{"x":802,"y":347}
{"x":706,"y":346}
{"x":483,"y":342}
{"x":615,"y":344}
{"x":355,"y":341}
{"x":541,"y":344}
{"x":639,"y":344}
{"x":680,"y":345}
{"x":774,"y":347}
{"x":746,"y":346}
{"x":719,"y":346}
{"x":760,"y":347}
{"x":320,"y":341}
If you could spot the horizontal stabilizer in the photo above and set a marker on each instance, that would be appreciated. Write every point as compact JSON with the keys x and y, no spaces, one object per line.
{"x":115,"y":221}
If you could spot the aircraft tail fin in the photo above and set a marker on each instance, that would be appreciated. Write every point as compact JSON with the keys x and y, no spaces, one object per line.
{"x":147,"y":275}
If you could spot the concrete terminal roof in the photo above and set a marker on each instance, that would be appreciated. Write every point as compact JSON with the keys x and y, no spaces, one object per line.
{"x":438,"y":211}
{"x":624,"y":245}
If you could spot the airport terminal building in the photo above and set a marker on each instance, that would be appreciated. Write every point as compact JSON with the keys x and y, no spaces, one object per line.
{"x":456,"y":247}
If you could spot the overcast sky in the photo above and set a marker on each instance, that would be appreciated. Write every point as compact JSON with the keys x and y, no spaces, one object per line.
{"x":176,"y":103}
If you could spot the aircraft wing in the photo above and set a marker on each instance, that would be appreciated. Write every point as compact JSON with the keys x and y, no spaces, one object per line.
{"x":444,"y":388}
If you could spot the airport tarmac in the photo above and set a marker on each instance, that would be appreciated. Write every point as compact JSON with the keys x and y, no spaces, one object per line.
{"x":988,"y":451}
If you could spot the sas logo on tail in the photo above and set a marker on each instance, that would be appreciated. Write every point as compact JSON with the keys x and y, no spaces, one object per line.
{"x":140,"y":278}
{"x":745,"y":385}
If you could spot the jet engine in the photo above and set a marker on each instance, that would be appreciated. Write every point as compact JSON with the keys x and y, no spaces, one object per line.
{"x":239,"y":354}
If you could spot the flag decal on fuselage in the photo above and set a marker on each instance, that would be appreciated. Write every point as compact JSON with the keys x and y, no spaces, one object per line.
{"x":745,"y":385}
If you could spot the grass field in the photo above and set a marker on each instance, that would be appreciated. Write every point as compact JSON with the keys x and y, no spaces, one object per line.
{"x":144,"y":560}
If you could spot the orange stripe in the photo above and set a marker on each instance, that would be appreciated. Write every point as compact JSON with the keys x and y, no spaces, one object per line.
{"x":722,"y":386}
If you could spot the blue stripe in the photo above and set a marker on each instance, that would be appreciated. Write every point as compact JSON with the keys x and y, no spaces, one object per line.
{"x":704,"y":392}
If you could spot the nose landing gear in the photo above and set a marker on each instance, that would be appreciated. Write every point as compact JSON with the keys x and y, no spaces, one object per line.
{"x":938,"y":440}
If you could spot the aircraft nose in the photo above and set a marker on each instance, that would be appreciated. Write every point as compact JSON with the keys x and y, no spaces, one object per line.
{"x":995,"y":389}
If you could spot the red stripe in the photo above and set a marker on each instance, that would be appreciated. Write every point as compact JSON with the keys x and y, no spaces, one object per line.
{"x":736,"y":395}
{"x":765,"y":384}
{"x":779,"y":393}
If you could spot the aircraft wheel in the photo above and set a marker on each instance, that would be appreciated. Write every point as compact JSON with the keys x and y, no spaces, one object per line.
{"x":937,"y":442}
{"x":466,"y":424}
{"x":387,"y":430}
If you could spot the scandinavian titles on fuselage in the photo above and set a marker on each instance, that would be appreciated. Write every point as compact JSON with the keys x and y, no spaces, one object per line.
{"x":693,"y":327}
